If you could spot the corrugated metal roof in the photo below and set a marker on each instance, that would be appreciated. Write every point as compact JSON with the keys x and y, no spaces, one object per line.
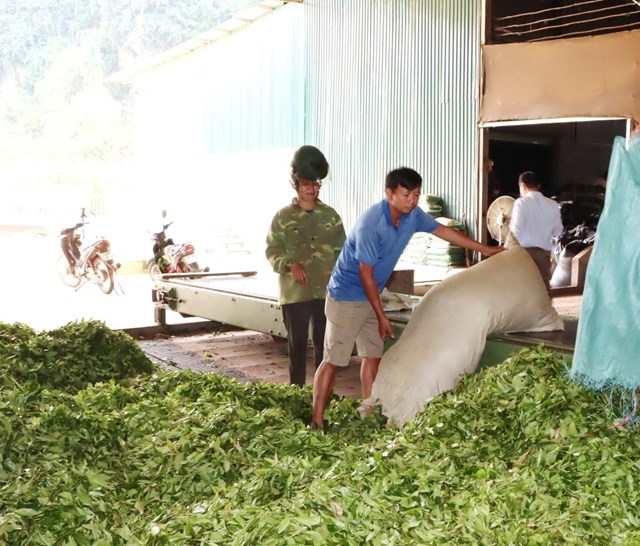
{"x":233,"y":24}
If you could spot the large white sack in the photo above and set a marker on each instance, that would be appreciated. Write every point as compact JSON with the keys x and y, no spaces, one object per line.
{"x":448,"y":329}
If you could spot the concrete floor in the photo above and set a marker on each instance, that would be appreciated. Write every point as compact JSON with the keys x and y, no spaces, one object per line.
{"x":252,"y":356}
{"x":243,"y":355}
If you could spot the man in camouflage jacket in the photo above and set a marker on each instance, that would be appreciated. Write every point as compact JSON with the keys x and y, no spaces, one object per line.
{"x":303,"y":243}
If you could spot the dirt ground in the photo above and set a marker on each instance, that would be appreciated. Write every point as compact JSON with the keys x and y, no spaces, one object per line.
{"x":243,"y":355}
{"x":252,"y":356}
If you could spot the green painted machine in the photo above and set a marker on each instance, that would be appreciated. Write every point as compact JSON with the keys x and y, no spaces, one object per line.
{"x":249,"y":301}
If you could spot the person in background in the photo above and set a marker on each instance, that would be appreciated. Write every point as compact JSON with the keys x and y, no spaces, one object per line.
{"x":353,"y":307}
{"x":535,"y":221}
{"x":600,"y":187}
{"x":601,"y":181}
{"x":303,"y":243}
{"x":494,"y":182}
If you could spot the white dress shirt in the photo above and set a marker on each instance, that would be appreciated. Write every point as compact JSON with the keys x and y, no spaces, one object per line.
{"x":535,"y":220}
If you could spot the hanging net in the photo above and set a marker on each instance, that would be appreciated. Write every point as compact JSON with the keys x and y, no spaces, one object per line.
{"x":607,"y":352}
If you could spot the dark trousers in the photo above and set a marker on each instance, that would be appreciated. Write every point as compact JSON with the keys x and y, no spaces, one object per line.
{"x":542,"y":259}
{"x":297,"y":317}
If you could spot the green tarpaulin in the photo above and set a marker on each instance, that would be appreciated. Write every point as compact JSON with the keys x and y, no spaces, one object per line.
{"x":607,"y":352}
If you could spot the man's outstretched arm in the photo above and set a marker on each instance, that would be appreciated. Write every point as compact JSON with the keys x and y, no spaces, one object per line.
{"x":460,"y":239}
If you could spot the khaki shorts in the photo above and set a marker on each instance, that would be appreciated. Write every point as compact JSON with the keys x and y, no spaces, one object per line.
{"x":349,"y":323}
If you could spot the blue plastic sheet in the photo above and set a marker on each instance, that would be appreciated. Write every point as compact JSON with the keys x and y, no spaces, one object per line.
{"x":607,"y":352}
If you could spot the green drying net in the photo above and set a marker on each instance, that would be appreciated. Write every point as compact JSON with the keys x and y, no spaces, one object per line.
{"x":607,"y":352}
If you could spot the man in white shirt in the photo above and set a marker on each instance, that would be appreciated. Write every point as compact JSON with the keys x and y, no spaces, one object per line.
{"x":535,"y":221}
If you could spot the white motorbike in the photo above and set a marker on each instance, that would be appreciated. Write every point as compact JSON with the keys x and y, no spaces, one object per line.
{"x":169,"y":257}
{"x":80,"y":264}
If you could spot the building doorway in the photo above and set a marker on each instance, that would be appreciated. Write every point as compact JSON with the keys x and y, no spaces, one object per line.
{"x":571,"y":160}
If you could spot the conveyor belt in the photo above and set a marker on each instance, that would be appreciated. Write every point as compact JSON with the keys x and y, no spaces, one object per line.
{"x":251,"y":302}
{"x":256,"y":286}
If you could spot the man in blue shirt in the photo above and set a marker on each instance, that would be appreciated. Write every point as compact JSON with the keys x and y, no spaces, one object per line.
{"x":353,"y":307}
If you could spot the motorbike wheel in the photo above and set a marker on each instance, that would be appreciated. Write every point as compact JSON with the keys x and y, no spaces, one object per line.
{"x":154,"y":271}
{"x":103,"y":275}
{"x":68,"y":278}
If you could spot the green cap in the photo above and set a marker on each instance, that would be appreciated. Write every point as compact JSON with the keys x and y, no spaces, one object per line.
{"x":309,"y":163}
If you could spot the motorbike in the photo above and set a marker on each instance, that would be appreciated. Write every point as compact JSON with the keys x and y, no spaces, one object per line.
{"x":79,"y":265}
{"x":169,"y":257}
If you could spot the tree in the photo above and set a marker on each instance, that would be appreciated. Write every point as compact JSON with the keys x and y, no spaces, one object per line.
{"x":36,"y":31}
{"x":54,"y":57}
{"x":39,"y":29}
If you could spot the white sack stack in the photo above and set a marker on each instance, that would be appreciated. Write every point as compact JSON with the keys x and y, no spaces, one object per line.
{"x":447,"y":332}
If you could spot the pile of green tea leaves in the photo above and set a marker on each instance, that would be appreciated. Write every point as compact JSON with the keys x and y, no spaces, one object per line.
{"x":98,"y":447}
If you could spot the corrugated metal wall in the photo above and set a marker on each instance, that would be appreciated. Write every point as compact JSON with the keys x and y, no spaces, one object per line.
{"x":216,"y":129}
{"x":395,"y":83}
{"x":262,"y":91}
{"x":243,"y":92}
{"x":376,"y":84}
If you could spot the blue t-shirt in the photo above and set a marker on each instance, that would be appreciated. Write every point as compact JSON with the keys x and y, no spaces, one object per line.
{"x":374,"y":241}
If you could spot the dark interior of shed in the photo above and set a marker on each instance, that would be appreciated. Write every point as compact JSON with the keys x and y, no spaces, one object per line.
{"x":569,"y":159}
{"x":536,"y":20}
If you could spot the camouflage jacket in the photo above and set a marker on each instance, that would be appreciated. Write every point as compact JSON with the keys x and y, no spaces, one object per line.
{"x":311,"y":238}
